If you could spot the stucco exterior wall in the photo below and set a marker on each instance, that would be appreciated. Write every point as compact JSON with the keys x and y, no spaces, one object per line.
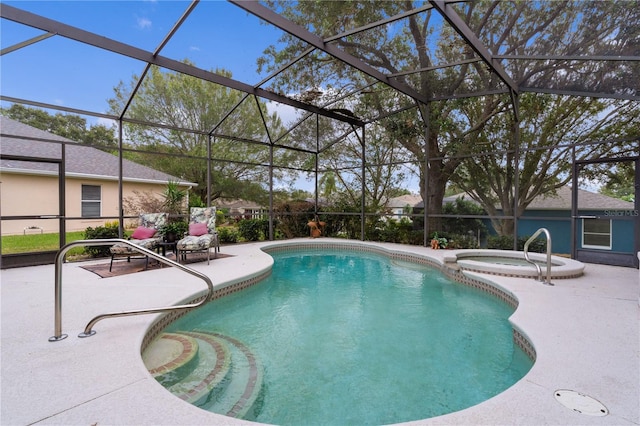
{"x":30,"y":195}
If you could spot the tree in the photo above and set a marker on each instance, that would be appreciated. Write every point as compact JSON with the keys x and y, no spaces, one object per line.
{"x":442,"y":130}
{"x":458,"y":225}
{"x":383,"y":168}
{"x":620,"y":182}
{"x":68,"y":126}
{"x":382,"y":48}
{"x":184,"y":102}
{"x":553,"y":129}
{"x":327,"y":184}
{"x":142,"y":202}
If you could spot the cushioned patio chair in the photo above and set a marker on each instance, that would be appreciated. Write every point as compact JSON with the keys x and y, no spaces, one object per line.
{"x":146,"y":235}
{"x":202,"y":234}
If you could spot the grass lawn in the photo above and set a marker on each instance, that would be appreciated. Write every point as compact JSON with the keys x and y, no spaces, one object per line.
{"x":39,"y":242}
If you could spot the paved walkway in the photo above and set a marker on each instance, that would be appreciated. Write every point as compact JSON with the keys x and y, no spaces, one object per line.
{"x":585,"y":331}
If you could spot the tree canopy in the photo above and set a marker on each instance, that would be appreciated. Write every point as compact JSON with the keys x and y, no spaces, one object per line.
{"x":554,"y":131}
{"x":453,"y":132}
{"x":184,"y":102}
{"x":70,"y":126}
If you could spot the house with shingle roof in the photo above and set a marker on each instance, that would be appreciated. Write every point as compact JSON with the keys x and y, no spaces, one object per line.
{"x":31,"y":161}
{"x":561,"y":200}
{"x":398,"y":206}
{"x":605,"y":227}
{"x":242,"y":209}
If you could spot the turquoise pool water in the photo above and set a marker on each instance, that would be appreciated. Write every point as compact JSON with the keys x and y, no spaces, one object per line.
{"x":349,"y":338}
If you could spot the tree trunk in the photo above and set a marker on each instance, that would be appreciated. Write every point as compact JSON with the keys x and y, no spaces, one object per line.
{"x":435,"y":193}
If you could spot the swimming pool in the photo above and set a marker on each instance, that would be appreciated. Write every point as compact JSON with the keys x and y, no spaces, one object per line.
{"x":337,"y":337}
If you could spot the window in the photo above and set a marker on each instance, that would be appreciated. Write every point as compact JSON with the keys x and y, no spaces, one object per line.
{"x":596,"y":233}
{"x":91,"y":200}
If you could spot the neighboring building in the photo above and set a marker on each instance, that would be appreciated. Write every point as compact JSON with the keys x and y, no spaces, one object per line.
{"x":398,"y":207}
{"x":322,"y":201}
{"x":241,"y":209}
{"x":30,"y":188}
{"x":606,"y":229}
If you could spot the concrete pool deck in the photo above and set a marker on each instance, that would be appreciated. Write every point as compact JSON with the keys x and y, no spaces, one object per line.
{"x":585,"y":332}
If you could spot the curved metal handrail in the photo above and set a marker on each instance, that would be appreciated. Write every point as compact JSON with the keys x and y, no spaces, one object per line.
{"x":88,"y":331}
{"x":526,"y":255}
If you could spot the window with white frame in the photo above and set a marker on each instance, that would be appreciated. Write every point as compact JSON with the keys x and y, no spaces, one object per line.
{"x":91,"y":200}
{"x":596,"y":233}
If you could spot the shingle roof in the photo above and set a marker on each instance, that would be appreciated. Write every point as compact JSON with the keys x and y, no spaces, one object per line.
{"x":81,"y":160}
{"x":587,"y":200}
{"x":404,"y":200}
{"x":237,"y":204}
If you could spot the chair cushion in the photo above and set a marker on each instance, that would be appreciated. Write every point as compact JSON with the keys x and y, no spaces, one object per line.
{"x":204,"y":215}
{"x":153,"y":220}
{"x":193,"y":242}
{"x":142,"y":233}
{"x":197,"y":229}
{"x":148,"y":243}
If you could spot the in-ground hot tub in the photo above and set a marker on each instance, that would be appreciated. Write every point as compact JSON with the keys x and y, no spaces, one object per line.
{"x":513,"y":263}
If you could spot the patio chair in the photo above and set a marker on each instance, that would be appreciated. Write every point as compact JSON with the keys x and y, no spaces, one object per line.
{"x":146,"y":235}
{"x":202,"y":234}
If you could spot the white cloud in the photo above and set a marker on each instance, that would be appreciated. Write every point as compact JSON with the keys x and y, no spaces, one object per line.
{"x":107,"y":122}
{"x":143,"y":23}
{"x":194,"y":48}
{"x":288,"y":114}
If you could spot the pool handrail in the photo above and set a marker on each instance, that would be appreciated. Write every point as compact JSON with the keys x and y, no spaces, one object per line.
{"x":88,"y":331}
{"x":526,"y":255}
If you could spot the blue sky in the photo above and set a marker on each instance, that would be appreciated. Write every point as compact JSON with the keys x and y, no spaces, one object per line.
{"x":67,"y":73}
{"x":63,"y":72}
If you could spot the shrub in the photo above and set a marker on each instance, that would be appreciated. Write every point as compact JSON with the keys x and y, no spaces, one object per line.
{"x":500,"y":242}
{"x":174,"y":231}
{"x":348,"y":225}
{"x":292,"y":218}
{"x":389,"y":232}
{"x":263,"y":224}
{"x":393,"y":231}
{"x":539,"y":245}
{"x":462,"y":241}
{"x":110,"y":230}
{"x":220,"y":219}
{"x":278,"y":234}
{"x":195,"y":200}
{"x":416,"y":237}
{"x":228,"y":234}
{"x":461,"y":226}
{"x":505,"y":242}
{"x":251,"y":229}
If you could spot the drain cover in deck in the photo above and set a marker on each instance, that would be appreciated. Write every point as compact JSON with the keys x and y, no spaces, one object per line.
{"x":580,"y":403}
